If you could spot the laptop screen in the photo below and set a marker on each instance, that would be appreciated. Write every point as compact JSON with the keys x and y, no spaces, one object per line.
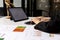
{"x":17,"y":14}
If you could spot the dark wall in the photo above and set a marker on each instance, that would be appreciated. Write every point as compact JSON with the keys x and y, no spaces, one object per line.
{"x":55,"y":9}
{"x":44,"y":6}
{"x":34,"y":8}
{"x":1,"y":11}
{"x":31,"y":8}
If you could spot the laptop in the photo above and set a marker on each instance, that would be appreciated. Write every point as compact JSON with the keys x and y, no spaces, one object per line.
{"x":17,"y":14}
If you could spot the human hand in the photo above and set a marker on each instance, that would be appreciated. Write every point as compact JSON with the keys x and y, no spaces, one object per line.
{"x":36,"y":20}
{"x":45,"y":19}
{"x":41,"y":19}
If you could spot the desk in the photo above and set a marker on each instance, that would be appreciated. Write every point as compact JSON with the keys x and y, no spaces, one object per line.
{"x":7,"y":26}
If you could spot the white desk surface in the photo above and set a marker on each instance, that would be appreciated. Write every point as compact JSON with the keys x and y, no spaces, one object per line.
{"x":7,"y":26}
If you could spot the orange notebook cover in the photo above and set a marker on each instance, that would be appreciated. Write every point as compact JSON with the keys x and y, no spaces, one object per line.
{"x":19,"y":29}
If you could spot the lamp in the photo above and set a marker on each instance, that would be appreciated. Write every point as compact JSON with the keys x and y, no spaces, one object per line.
{"x":8,"y":5}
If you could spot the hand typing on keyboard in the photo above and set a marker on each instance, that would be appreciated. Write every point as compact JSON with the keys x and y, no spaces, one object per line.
{"x":36,"y":20}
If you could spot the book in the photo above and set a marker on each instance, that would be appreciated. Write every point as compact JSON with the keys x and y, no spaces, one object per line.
{"x":19,"y":29}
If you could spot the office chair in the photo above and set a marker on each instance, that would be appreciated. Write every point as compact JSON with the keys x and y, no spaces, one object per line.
{"x":52,"y":26}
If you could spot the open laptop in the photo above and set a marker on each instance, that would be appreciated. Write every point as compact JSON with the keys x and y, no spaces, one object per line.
{"x":17,"y":14}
